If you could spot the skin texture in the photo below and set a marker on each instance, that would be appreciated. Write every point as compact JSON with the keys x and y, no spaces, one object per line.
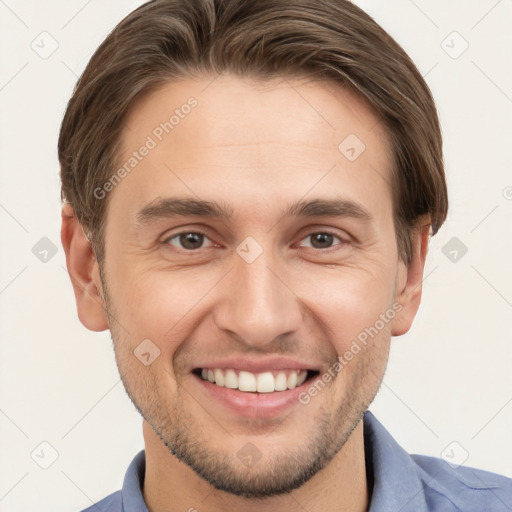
{"x":256,"y":148}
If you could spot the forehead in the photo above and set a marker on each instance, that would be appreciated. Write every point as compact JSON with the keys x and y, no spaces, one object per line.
{"x":264,"y":142}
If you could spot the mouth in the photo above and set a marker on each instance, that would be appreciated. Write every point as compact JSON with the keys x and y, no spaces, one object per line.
{"x":271,"y":381}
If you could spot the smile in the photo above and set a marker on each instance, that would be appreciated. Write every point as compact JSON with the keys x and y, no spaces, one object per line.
{"x":245,"y":381}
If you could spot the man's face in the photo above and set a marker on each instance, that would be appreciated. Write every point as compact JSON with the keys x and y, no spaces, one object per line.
{"x":261,"y":289}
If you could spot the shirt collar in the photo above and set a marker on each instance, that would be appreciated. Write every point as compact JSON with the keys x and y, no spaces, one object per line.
{"x":392,"y":473}
{"x":397,"y":484}
{"x":133,"y":484}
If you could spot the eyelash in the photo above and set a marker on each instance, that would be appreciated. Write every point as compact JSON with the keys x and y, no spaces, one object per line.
{"x":166,"y":241}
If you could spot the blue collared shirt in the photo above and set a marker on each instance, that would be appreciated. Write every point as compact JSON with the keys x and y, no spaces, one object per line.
{"x":400,"y":482}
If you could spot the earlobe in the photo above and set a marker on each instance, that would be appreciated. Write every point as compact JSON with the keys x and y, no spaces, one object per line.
{"x":84,"y":272}
{"x":409,"y":282}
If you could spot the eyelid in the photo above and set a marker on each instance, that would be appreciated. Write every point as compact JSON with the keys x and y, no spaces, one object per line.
{"x":168,"y":237}
{"x":326,"y":232}
{"x":311,"y":231}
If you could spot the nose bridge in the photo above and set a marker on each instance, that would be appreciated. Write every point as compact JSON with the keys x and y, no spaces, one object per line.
{"x":258,"y":305}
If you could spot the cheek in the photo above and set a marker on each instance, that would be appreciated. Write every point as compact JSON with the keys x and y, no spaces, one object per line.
{"x":162,"y":306}
{"x":346,"y":301}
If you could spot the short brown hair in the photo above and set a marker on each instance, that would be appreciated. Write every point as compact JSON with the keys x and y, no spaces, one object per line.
{"x":328,"y":39}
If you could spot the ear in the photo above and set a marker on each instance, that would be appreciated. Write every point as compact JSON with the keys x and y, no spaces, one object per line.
{"x":83,"y":270}
{"x":410,"y":278}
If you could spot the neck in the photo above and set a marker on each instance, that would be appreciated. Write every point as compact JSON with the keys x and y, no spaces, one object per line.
{"x":170,"y":485}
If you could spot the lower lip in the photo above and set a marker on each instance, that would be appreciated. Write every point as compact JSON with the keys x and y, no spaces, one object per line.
{"x":252,"y":404}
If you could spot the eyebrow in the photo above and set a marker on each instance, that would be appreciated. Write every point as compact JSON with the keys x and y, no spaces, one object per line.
{"x":171,"y":207}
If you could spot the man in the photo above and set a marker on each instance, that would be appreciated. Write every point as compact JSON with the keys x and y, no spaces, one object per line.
{"x":249,"y":192}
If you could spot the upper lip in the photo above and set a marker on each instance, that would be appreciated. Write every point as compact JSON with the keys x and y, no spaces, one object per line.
{"x":257,"y":365}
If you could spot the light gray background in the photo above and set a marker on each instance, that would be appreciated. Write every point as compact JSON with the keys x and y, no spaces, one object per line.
{"x":447,"y":391}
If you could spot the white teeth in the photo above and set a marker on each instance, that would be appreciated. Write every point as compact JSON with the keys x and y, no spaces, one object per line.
{"x":291,"y":381}
{"x":246,"y":381}
{"x":231,"y":379}
{"x":219,"y":378}
{"x":280,"y":382}
{"x":265,"y":382}
{"x":301,"y":378}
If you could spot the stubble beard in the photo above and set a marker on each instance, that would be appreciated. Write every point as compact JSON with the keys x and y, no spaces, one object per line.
{"x":221,"y":468}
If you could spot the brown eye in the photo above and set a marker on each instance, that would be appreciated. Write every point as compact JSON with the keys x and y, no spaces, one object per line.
{"x":322,"y":240}
{"x":187,"y":240}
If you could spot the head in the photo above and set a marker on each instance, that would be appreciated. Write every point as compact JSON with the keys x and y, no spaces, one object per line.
{"x":250,"y":184}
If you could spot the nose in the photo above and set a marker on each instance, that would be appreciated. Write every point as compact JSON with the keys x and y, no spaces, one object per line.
{"x":258,"y":305}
